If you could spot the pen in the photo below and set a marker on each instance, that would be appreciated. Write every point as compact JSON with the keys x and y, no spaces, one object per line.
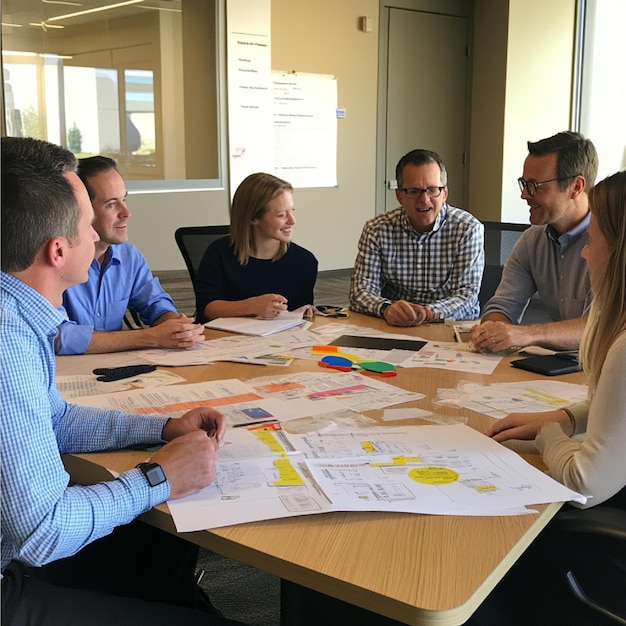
{"x":272,"y":421}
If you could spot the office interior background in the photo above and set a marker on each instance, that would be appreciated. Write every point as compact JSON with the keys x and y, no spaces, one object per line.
{"x":151,"y":77}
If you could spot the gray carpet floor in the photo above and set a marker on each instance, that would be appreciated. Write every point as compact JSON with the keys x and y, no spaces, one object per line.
{"x":240,"y":592}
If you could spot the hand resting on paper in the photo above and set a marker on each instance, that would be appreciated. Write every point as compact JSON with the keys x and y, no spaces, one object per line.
{"x":528,"y":425}
{"x":189,"y":458}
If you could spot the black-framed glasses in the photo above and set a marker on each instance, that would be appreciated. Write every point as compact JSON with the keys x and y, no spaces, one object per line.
{"x":416,"y":192}
{"x":532,"y":186}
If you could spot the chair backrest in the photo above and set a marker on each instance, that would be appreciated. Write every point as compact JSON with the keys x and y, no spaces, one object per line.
{"x":193,"y":241}
{"x":500,"y":237}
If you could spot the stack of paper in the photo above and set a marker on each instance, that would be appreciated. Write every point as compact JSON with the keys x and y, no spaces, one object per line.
{"x":269,"y":473}
{"x":257,"y":326}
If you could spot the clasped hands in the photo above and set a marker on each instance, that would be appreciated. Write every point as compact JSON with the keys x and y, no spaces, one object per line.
{"x":177,"y":332}
{"x":403,"y":313}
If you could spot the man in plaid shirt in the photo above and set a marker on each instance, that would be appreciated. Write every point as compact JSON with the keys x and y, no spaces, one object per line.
{"x":424,"y":260}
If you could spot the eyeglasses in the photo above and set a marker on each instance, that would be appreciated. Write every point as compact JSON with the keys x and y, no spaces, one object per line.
{"x":416,"y":192}
{"x":328,"y":310}
{"x":532,"y":186}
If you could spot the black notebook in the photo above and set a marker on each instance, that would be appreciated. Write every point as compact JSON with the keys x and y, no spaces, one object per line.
{"x":549,"y":364}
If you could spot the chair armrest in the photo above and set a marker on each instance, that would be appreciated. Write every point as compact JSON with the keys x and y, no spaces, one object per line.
{"x":600,"y":521}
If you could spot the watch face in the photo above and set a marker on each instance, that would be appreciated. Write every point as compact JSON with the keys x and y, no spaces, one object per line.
{"x":153,"y":472}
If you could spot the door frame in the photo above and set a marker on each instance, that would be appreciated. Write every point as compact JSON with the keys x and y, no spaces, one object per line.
{"x":459,"y":8}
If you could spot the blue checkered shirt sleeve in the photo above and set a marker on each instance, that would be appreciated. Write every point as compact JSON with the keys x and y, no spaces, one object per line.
{"x":43,"y":517}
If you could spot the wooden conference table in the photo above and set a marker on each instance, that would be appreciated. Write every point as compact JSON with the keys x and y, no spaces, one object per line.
{"x":416,"y":569}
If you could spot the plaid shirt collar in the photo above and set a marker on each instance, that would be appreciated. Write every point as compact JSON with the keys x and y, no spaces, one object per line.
{"x":439,"y":222}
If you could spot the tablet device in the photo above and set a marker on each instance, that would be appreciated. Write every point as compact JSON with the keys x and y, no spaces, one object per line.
{"x":377,"y":343}
{"x":549,"y":364}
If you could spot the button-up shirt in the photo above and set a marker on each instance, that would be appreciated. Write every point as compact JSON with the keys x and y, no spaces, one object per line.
{"x":123,"y":281}
{"x":44,"y":519}
{"x":547,"y":264}
{"x":441,"y":269}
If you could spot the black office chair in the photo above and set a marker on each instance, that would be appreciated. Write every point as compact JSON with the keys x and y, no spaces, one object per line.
{"x":500,"y":237}
{"x":193,"y":241}
{"x":604,"y":590}
{"x":132,"y":321}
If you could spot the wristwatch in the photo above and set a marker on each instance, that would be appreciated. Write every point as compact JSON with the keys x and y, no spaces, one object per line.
{"x":383,"y":309}
{"x":153,"y":472}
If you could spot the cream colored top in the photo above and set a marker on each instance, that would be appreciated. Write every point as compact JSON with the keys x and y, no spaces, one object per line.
{"x":596,"y":466}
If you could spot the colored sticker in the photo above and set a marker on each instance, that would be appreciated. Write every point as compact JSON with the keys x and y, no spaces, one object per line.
{"x":337,"y":361}
{"x":378,"y":367}
{"x":433,"y":475}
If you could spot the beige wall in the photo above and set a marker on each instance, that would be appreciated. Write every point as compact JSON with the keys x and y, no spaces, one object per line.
{"x":319,"y":37}
{"x":523,"y":66}
{"x":523,"y":52}
{"x":488,"y":100}
{"x":323,"y":37}
{"x":538,"y":86}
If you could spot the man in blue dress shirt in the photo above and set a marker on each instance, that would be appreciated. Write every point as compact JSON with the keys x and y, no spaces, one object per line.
{"x":47,"y":246}
{"x":119,"y":278}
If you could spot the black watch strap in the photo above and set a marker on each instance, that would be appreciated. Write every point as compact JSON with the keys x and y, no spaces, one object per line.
{"x":153,"y":472}
{"x":384,"y":308}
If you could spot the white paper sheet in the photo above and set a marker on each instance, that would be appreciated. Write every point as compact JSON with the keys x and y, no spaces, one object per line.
{"x":445,"y":470}
{"x":453,"y":356}
{"x":500,"y":399}
{"x":351,"y":389}
{"x":77,"y":386}
{"x":258,"y":326}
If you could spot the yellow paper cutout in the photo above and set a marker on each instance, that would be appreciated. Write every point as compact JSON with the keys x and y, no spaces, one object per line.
{"x":433,"y":475}
{"x":288,"y":475}
{"x":266,"y":436}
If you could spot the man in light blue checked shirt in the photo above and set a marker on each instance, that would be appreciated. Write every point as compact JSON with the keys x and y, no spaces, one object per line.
{"x":47,"y":245}
{"x":423,"y":261}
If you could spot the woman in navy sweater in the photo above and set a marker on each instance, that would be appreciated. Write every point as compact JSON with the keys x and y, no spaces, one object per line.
{"x":257,"y":271}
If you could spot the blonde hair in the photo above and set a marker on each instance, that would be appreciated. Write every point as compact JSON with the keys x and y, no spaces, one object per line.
{"x":250,"y":203}
{"x":607,"y":318}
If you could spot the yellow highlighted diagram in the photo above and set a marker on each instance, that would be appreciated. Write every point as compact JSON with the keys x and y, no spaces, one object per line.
{"x":266,"y":436}
{"x":543,"y":397}
{"x":433,"y":475}
{"x":288,"y":477}
{"x":399,"y":460}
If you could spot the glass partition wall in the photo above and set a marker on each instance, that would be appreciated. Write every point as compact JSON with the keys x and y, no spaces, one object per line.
{"x":137,"y":80}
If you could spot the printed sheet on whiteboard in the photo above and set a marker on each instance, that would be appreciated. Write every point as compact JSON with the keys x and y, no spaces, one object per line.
{"x":305,"y":129}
